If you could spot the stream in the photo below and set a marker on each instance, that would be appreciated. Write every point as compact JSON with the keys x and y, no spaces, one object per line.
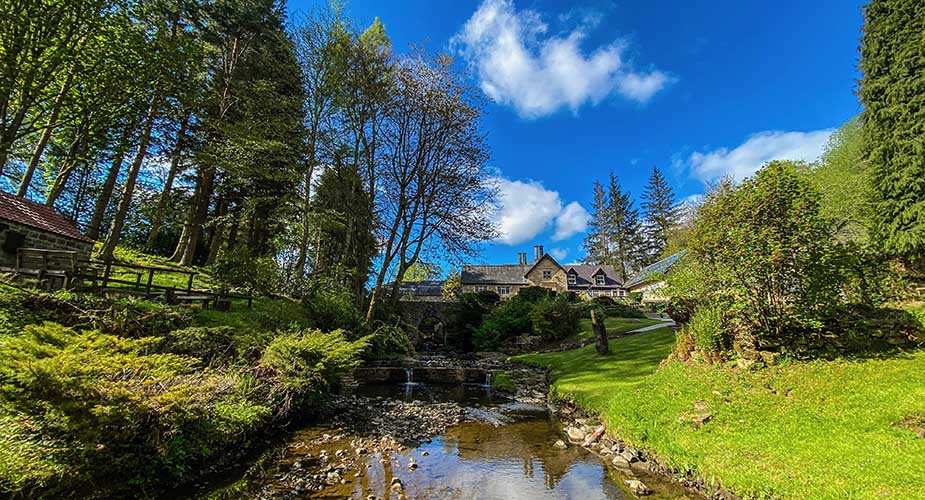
{"x":499,"y":449}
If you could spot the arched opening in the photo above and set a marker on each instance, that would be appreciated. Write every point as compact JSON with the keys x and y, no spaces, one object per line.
{"x":433,"y":331}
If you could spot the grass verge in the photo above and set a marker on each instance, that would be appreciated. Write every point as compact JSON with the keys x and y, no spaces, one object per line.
{"x":820,"y":429}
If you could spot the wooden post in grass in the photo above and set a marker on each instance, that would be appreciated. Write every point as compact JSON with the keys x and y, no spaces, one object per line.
{"x":600,"y":332}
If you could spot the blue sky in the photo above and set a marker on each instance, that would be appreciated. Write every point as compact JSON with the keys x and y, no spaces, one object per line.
{"x":575,"y":89}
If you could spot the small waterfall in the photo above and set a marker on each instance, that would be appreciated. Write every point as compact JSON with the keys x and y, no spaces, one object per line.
{"x":409,"y":383}
{"x":488,"y":375}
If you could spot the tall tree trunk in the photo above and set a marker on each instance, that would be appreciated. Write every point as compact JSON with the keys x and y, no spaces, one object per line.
{"x":168,"y":184}
{"x":218,"y":232}
{"x":115,"y":230}
{"x":306,"y":229}
{"x":46,"y":136}
{"x":201,"y":210}
{"x":102,"y":201}
{"x":9,"y":133}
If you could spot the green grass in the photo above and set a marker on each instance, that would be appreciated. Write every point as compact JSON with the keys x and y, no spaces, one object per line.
{"x":614,"y":325}
{"x":820,"y":429}
{"x":266,"y":314}
{"x":124,"y":255}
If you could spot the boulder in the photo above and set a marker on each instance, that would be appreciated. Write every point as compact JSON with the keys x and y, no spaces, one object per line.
{"x":560,"y":444}
{"x":637,"y":487}
{"x":575,"y":434}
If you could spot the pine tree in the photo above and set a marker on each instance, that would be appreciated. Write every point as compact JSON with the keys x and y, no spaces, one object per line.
{"x":661,"y":213}
{"x":892,"y":90}
{"x":626,"y":239}
{"x":596,"y":242}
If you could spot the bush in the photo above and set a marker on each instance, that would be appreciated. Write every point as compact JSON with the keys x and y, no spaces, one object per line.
{"x":503,"y":322}
{"x":466,"y":318}
{"x":123,"y":410}
{"x":389,"y":341}
{"x":603,"y":300}
{"x":307,"y":364}
{"x":238,"y":267}
{"x":555,"y":319}
{"x":331,"y":307}
{"x":488,"y":297}
{"x":211,"y":345}
{"x":534,"y":294}
{"x":764,"y":249}
{"x":708,"y":330}
{"x":617,"y":310}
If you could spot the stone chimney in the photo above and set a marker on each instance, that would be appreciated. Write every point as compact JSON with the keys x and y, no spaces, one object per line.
{"x":537,"y":253}
{"x":522,"y":258}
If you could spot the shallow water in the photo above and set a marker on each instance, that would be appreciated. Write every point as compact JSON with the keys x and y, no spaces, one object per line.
{"x":508,"y":453}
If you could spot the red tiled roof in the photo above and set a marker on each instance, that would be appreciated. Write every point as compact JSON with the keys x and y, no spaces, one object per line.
{"x":30,"y":213}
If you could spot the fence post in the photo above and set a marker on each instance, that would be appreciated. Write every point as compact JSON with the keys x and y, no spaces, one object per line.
{"x":189,"y":286}
{"x":150,"y":279}
{"x":106,"y":274}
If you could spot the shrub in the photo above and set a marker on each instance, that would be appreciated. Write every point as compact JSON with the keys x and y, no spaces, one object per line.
{"x":389,"y":341}
{"x":765,"y":249}
{"x":238,"y":267}
{"x":708,"y":330}
{"x":212,"y":345}
{"x":488,"y":297}
{"x":503,"y":322}
{"x":602,"y":301}
{"x":466,"y":318}
{"x":617,"y":310}
{"x":331,"y":307}
{"x":534,"y":294}
{"x":308,"y":363}
{"x":122,"y":409}
{"x":555,"y":319}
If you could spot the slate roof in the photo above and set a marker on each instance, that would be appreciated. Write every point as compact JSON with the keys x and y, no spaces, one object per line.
{"x":506,"y":274}
{"x":585,"y":275}
{"x":30,"y":213}
{"x":656,"y":268}
{"x":420,"y":288}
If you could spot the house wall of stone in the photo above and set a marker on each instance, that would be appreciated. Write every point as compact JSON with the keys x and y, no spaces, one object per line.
{"x":652,"y":292}
{"x":35,"y":238}
{"x":558,"y":280}
{"x":494,"y":288}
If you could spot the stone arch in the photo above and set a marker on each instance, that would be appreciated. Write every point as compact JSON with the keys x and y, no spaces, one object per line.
{"x":416,"y":313}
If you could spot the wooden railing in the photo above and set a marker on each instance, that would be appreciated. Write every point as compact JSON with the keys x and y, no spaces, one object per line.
{"x":74,"y":272}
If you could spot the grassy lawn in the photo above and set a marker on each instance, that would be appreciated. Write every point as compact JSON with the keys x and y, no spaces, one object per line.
{"x":124,"y":255}
{"x":614,"y":325}
{"x":821,"y":429}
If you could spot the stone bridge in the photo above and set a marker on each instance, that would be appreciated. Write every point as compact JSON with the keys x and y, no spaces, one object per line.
{"x":429,"y":317}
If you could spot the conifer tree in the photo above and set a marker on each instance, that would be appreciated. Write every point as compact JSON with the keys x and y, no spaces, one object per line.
{"x":596,"y":241}
{"x":892,"y":90}
{"x":625,"y":229}
{"x":661,"y":213}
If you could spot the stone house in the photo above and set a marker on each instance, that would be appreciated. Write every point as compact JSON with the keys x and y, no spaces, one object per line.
{"x":26,"y":224}
{"x":507,"y":279}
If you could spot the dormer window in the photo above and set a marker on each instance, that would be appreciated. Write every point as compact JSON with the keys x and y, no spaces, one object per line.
{"x":599,"y":280}
{"x":572,"y":279}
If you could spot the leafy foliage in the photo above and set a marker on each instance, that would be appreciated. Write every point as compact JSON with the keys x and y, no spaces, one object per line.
{"x":307,"y":363}
{"x":389,"y":341}
{"x":764,"y":249}
{"x":555,"y":319}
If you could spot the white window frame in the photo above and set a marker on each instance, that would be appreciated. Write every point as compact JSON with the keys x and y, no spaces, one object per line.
{"x":481,"y":288}
{"x":572,"y":279}
{"x":599,"y":280}
{"x":503,"y":290}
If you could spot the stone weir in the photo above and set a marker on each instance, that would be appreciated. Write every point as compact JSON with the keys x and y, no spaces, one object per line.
{"x":423,"y":374}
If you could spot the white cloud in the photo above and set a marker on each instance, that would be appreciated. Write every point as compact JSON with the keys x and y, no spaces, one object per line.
{"x":524,"y":209}
{"x":759,"y":149}
{"x":559,"y":254}
{"x":519,"y":64}
{"x":572,"y":220}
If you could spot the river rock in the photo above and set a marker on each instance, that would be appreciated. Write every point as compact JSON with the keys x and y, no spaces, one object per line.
{"x":560,"y":444}
{"x":638,"y":487}
{"x":575,"y":434}
{"x":620,"y":462}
